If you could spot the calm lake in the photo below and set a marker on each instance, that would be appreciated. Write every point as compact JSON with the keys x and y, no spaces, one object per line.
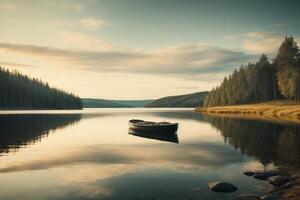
{"x":89,"y":154}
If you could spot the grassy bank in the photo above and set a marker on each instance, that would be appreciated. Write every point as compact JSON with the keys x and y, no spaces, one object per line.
{"x":276,"y":110}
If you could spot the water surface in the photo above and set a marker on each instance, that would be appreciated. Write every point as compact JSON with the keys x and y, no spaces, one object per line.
{"x":90,"y":155}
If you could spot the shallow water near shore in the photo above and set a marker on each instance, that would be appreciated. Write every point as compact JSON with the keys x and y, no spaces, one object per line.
{"x":89,"y":154}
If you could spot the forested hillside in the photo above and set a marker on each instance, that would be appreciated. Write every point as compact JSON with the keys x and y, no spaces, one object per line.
{"x":183,"y":101}
{"x":105,"y":103}
{"x":18,"y":91}
{"x":134,"y":103}
{"x":262,"y":81}
{"x":100,"y":103}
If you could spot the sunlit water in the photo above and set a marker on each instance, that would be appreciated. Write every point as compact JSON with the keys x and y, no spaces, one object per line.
{"x":90,"y":155}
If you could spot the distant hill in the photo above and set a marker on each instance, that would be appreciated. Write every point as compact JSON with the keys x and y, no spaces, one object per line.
{"x":134,"y":103}
{"x":180,"y":101}
{"x":104,"y":103}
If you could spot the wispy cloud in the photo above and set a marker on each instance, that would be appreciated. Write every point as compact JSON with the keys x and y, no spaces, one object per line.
{"x":189,"y":59}
{"x":92,"y":23}
{"x":263,"y":42}
{"x":66,"y":5}
{"x":7,"y":6}
{"x":77,"y":40}
{"x":280,"y":25}
{"x":5,"y":64}
{"x":258,"y":42}
{"x":231,"y":37}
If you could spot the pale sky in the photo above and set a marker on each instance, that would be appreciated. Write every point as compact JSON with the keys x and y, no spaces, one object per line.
{"x":140,"y":49}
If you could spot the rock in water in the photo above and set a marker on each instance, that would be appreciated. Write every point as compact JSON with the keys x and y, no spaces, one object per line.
{"x":280,"y":188}
{"x":266,"y":174}
{"x":249,"y":173}
{"x":279,"y":180}
{"x":221,"y":187}
{"x":247,"y":197}
{"x":279,"y":193}
{"x":261,"y":176}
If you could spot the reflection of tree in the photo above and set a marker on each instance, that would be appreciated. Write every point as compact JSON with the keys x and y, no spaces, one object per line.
{"x":187,"y":115}
{"x":19,"y":130}
{"x":269,"y":142}
{"x":289,"y":145}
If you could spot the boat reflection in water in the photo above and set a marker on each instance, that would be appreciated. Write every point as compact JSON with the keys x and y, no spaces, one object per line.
{"x":164,"y":131}
{"x":166,"y":137}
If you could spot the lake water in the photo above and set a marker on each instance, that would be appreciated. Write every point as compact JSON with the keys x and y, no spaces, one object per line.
{"x":90,"y":155}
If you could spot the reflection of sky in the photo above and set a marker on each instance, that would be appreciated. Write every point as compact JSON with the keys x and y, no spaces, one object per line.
{"x":97,"y":158}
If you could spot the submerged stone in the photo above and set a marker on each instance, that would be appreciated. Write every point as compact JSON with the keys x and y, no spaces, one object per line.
{"x":280,"y":188}
{"x":266,"y":174}
{"x":247,"y":197}
{"x":221,"y":187}
{"x":261,"y":176}
{"x":294,"y":176}
{"x":249,"y":173}
{"x":279,"y":193}
{"x":279,"y":180}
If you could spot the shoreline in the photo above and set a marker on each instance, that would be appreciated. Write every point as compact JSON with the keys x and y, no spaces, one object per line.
{"x":276,"y":111}
{"x":281,"y":111}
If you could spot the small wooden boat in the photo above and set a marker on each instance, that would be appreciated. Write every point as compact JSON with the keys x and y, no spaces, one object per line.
{"x":147,"y":126}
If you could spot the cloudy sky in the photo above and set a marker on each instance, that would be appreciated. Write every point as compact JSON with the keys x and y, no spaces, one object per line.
{"x":140,"y":49}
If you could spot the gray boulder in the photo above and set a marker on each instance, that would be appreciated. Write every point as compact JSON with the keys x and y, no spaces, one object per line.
{"x":221,"y":187}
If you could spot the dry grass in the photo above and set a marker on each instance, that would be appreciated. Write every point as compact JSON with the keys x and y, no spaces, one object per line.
{"x":285,"y":111}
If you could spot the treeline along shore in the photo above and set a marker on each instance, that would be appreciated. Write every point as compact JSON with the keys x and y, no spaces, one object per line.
{"x":251,"y":86}
{"x":179,"y":101}
{"x":18,"y":91}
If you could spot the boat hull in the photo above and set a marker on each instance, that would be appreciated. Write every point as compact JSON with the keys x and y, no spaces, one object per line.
{"x":165,"y":128}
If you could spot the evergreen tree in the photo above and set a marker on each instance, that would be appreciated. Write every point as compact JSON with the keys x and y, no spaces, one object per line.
{"x":262,"y":81}
{"x":18,"y":91}
{"x":288,"y":68}
{"x":249,"y":84}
